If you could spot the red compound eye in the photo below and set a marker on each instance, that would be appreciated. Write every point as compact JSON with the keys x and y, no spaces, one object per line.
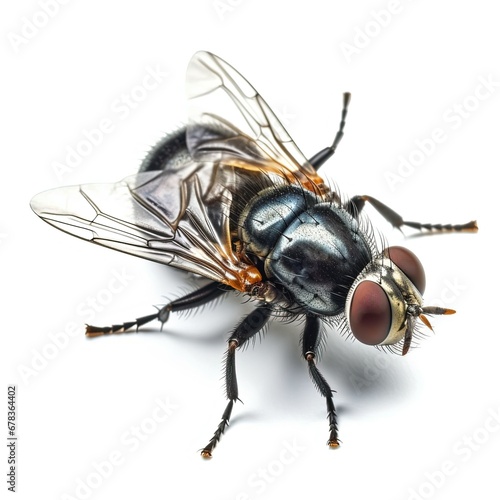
{"x":370,"y":314}
{"x":408,"y":263}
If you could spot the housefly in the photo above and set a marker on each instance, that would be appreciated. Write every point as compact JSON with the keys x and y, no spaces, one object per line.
{"x":231,"y":198}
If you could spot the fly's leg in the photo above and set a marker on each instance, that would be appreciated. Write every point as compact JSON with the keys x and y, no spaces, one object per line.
{"x":190,"y":301}
{"x":310,"y":342}
{"x":250,"y":325}
{"x":320,"y":158}
{"x":357,"y":203}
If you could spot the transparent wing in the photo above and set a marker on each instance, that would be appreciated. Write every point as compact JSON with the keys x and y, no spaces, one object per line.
{"x":160,"y":216}
{"x":180,"y":216}
{"x":232,"y":124}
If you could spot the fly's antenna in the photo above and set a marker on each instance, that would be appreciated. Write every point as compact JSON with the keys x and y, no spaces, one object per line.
{"x":320,"y":158}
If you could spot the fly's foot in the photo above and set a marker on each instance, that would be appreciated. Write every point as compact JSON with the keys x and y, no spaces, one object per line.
{"x":96,"y":331}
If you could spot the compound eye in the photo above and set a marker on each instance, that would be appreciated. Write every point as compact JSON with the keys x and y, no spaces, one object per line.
{"x":409,"y":263}
{"x":370,"y":314}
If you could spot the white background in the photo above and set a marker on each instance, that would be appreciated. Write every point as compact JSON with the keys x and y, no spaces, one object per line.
{"x":422,"y":426}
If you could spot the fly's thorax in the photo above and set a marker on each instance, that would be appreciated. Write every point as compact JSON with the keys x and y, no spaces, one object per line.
{"x":267,"y":215}
{"x":383,"y":298}
{"x":312,"y":248}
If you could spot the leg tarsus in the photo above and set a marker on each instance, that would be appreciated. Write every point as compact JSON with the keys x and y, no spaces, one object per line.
{"x":333,"y":441}
{"x":322,"y":156}
{"x":96,"y":331}
{"x":357,"y":203}
{"x":469,"y":226}
{"x":325,"y":390}
{"x":206,"y":452}
{"x":191,"y":300}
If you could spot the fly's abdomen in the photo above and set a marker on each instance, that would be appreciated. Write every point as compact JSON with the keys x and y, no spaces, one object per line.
{"x":170,"y":152}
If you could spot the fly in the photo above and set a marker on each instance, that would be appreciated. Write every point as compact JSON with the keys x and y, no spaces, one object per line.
{"x":231,"y":198}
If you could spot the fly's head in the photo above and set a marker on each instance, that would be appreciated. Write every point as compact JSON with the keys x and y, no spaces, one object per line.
{"x":385,"y":300}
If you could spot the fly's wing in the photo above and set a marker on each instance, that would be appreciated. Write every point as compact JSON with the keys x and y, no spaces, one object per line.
{"x":179,"y":218}
{"x":232,"y":124}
